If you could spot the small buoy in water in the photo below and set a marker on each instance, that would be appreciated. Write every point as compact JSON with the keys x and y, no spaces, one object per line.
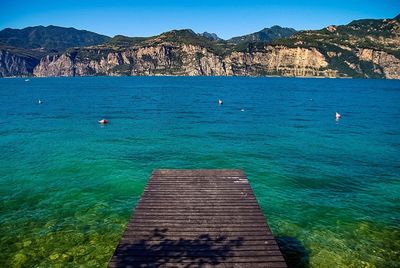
{"x":220,"y":102}
{"x":103,"y":121}
{"x":27,"y":80}
{"x":338,"y":116}
{"x":40,"y":101}
{"x":242,"y":110}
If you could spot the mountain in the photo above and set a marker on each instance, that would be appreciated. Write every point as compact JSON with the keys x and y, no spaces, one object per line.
{"x":21,"y":50}
{"x":177,"y":37}
{"x":181,"y":52}
{"x":265,"y":35}
{"x":211,"y":36}
{"x":361,"y":49}
{"x":50,"y":38}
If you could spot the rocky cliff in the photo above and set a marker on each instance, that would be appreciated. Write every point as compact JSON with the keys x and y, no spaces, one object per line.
{"x":191,"y":60}
{"x":363,"y":48}
{"x":14,"y":63}
{"x":194,"y":60}
{"x":382,"y":63}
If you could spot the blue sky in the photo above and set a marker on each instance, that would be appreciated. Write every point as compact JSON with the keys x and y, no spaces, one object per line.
{"x":223,"y":17}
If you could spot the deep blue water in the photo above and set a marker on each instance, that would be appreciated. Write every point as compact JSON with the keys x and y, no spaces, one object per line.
{"x":330,"y":189}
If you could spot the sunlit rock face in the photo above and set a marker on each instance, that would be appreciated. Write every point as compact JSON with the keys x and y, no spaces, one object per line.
{"x":190,"y":60}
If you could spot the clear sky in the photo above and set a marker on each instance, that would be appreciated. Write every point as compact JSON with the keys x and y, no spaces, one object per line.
{"x":227,"y":18}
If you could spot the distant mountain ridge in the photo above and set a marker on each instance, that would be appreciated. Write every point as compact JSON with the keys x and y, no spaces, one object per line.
{"x":50,"y":38}
{"x":368,"y":48}
{"x":211,"y":36}
{"x":265,"y":35}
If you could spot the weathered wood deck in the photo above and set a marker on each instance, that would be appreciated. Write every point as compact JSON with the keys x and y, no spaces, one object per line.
{"x":197,"y":218}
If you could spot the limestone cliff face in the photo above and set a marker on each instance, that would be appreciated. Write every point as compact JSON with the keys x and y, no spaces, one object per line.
{"x":280,"y":60}
{"x":192,"y":60}
{"x":170,"y":59}
{"x":383,"y":63}
{"x":55,"y":66}
{"x":12,"y":64}
{"x":199,"y":61}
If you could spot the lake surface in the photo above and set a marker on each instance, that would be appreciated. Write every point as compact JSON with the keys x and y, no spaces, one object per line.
{"x":330,"y":189}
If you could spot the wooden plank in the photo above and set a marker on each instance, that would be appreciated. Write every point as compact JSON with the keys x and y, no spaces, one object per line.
{"x":193,"y":218}
{"x":207,"y":265}
{"x":177,"y":258}
{"x":198,"y":172}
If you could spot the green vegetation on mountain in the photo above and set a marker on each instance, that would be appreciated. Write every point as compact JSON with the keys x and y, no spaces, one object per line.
{"x":377,"y":34}
{"x":265,"y":35}
{"x":210,"y":36}
{"x":173,"y":38}
{"x":21,"y":52}
{"x":188,"y":37}
{"x":50,"y":38}
{"x":125,"y":41}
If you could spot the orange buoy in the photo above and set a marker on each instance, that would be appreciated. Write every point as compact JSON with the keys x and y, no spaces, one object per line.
{"x":103,"y":121}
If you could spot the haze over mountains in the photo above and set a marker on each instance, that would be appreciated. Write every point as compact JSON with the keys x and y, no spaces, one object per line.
{"x":362,"y":48}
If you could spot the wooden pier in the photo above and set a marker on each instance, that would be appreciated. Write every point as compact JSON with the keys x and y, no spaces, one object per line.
{"x":197,"y":218}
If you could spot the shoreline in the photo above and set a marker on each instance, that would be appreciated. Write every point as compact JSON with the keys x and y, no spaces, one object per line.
{"x":243,"y":76}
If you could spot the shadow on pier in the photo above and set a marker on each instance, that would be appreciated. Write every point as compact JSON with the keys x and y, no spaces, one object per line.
{"x":157,"y":249}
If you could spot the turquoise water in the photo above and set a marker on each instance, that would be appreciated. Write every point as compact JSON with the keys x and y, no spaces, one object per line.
{"x":68,"y":185}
